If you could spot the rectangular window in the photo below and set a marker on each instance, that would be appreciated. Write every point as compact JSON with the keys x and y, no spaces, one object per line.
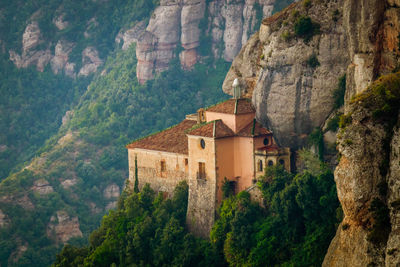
{"x":260,"y":166}
{"x":163,"y":166}
{"x":202,"y":171}
{"x":186,"y":162}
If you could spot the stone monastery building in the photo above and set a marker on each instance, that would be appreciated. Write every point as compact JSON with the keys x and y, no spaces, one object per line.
{"x":222,"y":141}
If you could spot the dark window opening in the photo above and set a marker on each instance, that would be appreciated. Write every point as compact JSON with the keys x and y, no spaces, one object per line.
{"x":260,"y":165}
{"x":282,"y":162}
{"x":202,"y":171}
{"x":266,"y":141}
{"x":202,"y":143}
{"x":163,"y":166}
{"x":270,"y":163}
{"x":186,"y":162}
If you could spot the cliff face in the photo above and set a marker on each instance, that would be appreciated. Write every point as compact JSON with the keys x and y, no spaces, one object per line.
{"x":176,"y":28}
{"x":223,"y":25}
{"x":291,"y":77}
{"x":293,"y":95}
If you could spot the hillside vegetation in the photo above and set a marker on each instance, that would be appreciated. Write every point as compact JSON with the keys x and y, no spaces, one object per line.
{"x":294,"y":229}
{"x":114,"y":110}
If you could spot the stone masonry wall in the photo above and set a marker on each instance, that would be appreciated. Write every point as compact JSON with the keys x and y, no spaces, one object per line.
{"x":149,"y":170}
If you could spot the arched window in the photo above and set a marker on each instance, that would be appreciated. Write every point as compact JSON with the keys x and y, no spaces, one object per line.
{"x":282,"y":162}
{"x":266,"y":141}
{"x":270,"y":163}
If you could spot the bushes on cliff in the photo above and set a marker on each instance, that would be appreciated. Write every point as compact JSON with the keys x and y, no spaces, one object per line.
{"x":294,"y":230}
{"x":305,"y":28}
{"x":146,"y":230}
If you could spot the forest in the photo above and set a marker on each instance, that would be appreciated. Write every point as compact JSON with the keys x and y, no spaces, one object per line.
{"x":294,"y":228}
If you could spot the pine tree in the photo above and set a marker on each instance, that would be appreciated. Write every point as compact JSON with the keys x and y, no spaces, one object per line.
{"x":136,"y":187}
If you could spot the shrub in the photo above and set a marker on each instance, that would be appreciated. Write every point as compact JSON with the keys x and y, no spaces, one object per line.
{"x":345,"y":120}
{"x":338,"y":94}
{"x":307,"y":4}
{"x":286,"y":36}
{"x":313,"y":61}
{"x":380,"y":229}
{"x":305,"y":28}
{"x":333,"y":124}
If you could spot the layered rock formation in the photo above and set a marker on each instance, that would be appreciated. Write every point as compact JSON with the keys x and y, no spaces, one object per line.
{"x":367,"y":179}
{"x":221,"y":24}
{"x":36,"y":52}
{"x":62,"y":227}
{"x":31,"y":55}
{"x":292,"y":96}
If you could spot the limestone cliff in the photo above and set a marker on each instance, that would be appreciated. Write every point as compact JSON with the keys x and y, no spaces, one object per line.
{"x":177,"y":28}
{"x":224,"y":25}
{"x":291,"y":76}
{"x":291,"y":94}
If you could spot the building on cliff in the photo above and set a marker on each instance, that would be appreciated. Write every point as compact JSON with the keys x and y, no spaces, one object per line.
{"x":222,"y":141}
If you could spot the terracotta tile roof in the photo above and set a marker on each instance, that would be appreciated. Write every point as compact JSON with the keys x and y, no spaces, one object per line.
{"x":173,"y":139}
{"x":269,"y":148}
{"x":216,"y":129}
{"x":258,"y":130}
{"x":233,"y":106}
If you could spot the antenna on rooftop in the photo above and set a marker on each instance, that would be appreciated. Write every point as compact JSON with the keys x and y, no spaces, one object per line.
{"x":236,"y":89}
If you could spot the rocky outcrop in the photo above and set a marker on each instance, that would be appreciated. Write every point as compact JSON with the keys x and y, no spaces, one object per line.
{"x":62,"y":227}
{"x":112,"y":205}
{"x":60,"y":23}
{"x":291,"y":96}
{"x":61,"y":56}
{"x":291,"y":78}
{"x":31,"y":39}
{"x":186,"y":23}
{"x":367,"y":180}
{"x":111,"y":191}
{"x":42,"y":187}
{"x":69,"y":183}
{"x":90,"y":61}
{"x":36,"y":52}
{"x":373,"y":40}
{"x":4,"y":221}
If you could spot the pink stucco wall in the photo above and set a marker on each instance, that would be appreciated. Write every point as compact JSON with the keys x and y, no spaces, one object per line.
{"x":235,"y":122}
{"x":243,"y":162}
{"x":225,"y":160}
{"x":235,"y":161}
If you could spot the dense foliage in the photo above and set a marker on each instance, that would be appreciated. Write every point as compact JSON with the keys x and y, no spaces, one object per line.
{"x":32,"y":104}
{"x":101,"y":20}
{"x":145,"y":231}
{"x":114,"y":110}
{"x":294,"y":229}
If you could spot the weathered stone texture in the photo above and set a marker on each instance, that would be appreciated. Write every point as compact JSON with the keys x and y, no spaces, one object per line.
{"x":149,"y":170}
{"x":183,"y":22}
{"x":62,"y":227}
{"x":290,"y":96}
{"x":202,"y":192}
{"x":393,"y":244}
{"x":111,"y":191}
{"x":90,"y":61}
{"x":42,"y":187}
